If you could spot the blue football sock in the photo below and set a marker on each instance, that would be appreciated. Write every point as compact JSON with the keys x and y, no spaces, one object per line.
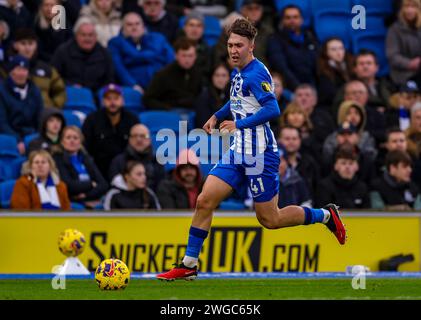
{"x":196,"y":238}
{"x":313,"y":215}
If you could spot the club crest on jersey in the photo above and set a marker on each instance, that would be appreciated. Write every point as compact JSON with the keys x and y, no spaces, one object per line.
{"x":237,"y":85}
{"x":266,"y":86}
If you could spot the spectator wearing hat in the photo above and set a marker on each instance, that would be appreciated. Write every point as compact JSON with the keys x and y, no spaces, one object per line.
{"x":252,"y":10}
{"x":51,"y":127}
{"x":107,"y":130}
{"x":49,"y":39}
{"x":193,"y":30}
{"x":20,"y":102}
{"x":343,"y":186}
{"x":180,"y":191}
{"x":394,"y":190}
{"x":400,"y":114}
{"x":292,"y":50}
{"x":138,"y":54}
{"x":178,"y":84}
{"x":105,"y":16}
{"x":293,"y":189}
{"x":82,"y":61}
{"x":45,"y":76}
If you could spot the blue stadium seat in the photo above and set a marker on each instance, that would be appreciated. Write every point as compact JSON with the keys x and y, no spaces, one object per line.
{"x":27,"y":139}
{"x":77,"y":206}
{"x":328,"y":23}
{"x":80,"y":99}
{"x":6,"y":190}
{"x":132,"y":99}
{"x":330,"y":5}
{"x":157,"y":120}
{"x":71,"y":119}
{"x":375,"y":42}
{"x":212,"y":30}
{"x":375,"y":7}
{"x":8,"y":146}
{"x":304,"y":5}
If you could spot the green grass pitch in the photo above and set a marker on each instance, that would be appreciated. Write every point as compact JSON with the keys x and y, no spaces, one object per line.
{"x":204,"y":289}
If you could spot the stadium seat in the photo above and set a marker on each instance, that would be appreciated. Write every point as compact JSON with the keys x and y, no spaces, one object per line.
{"x":77,"y":206}
{"x":331,"y":5}
{"x":304,"y":5}
{"x":329,"y":23}
{"x":132,"y":99}
{"x":375,"y":42}
{"x":375,"y":7}
{"x":27,"y":139}
{"x":6,"y":190}
{"x":8,"y":146}
{"x":157,"y":120}
{"x":12,"y":169}
{"x":212,"y":30}
{"x":71,"y":119}
{"x":80,"y":99}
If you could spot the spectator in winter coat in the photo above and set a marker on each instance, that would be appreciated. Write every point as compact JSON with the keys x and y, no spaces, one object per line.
{"x":107,"y":130}
{"x":52,"y":125}
{"x":106,"y":18}
{"x":84,"y":181}
{"x":138,"y":54}
{"x":129,"y":190}
{"x":343,"y":186}
{"x":45,"y":76}
{"x":182,"y":189}
{"x":40,"y":187}
{"x":139,"y":149}
{"x":15,"y":14}
{"x":413,"y":133}
{"x":403,"y":43}
{"x":394,"y":190}
{"x":20,"y":102}
{"x":292,"y":50}
{"x":283,"y":96}
{"x":49,"y":38}
{"x":82,"y":61}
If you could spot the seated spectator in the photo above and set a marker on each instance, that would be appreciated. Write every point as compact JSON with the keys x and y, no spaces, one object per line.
{"x":107,"y":130}
{"x":343,"y":186}
{"x":395,"y":140}
{"x":303,"y":163}
{"x":403,"y":42}
{"x":137,"y":54}
{"x":357,"y":91}
{"x":351,"y":114}
{"x":45,"y":76}
{"x":129,"y":190}
{"x":292,"y":50}
{"x":193,"y":30}
{"x":82,"y":61}
{"x":40,"y":187}
{"x":139,"y":149}
{"x":49,"y":39}
{"x":400,"y":114}
{"x":334,"y":69}
{"x":213,"y":96}
{"x":52,"y":125}
{"x":394,"y":190}
{"x":77,"y":169}
{"x":181,"y":190}
{"x":106,"y":18}
{"x":20,"y":102}
{"x":4,"y":35}
{"x":379,"y":88}
{"x":305,"y":96}
{"x":178,"y":84}
{"x":295,"y":117}
{"x":282,"y":96}
{"x":157,"y":19}
{"x":15,"y":14}
{"x":413,"y":133}
{"x":293,"y":189}
{"x":252,"y":10}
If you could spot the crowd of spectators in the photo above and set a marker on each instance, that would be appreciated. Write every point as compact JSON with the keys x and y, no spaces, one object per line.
{"x":346,"y":135}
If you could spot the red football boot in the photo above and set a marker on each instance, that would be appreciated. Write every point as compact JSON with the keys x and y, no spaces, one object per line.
{"x":179,"y":272}
{"x":335,"y":224}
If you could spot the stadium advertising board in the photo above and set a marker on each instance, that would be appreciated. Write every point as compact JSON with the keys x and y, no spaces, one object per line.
{"x":236,"y":243}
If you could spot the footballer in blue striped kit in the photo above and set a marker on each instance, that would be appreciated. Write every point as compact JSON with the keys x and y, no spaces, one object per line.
{"x":253,"y":157}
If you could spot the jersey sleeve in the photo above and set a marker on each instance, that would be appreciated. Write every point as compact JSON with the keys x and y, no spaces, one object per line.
{"x":260,"y":85}
{"x":224,"y":111}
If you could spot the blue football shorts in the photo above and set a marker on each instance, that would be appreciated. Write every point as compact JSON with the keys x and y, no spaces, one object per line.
{"x":260,"y":172}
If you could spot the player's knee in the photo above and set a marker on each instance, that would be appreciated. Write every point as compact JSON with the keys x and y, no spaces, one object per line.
{"x":204,"y":202}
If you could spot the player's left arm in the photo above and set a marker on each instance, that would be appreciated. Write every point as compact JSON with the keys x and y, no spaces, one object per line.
{"x":261,"y":87}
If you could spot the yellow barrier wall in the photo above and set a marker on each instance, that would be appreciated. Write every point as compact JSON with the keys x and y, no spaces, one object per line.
{"x":28,"y":244}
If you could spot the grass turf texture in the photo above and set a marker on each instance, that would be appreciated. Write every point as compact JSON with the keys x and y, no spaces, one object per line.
{"x":242,"y":289}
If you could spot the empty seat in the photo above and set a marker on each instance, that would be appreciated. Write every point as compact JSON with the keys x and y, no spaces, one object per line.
{"x":71,"y":119}
{"x":375,"y":7}
{"x":6,"y":190}
{"x":329,"y":24}
{"x":157,"y":120}
{"x":80,"y":99}
{"x":8,"y":146}
{"x":27,"y":139}
{"x":331,"y":5}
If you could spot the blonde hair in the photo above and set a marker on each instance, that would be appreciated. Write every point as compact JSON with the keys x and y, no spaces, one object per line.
{"x":418,"y":5}
{"x":27,"y":166}
{"x":295,"y":108}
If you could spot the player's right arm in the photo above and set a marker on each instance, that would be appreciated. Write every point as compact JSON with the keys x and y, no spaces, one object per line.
{"x":220,"y":114}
